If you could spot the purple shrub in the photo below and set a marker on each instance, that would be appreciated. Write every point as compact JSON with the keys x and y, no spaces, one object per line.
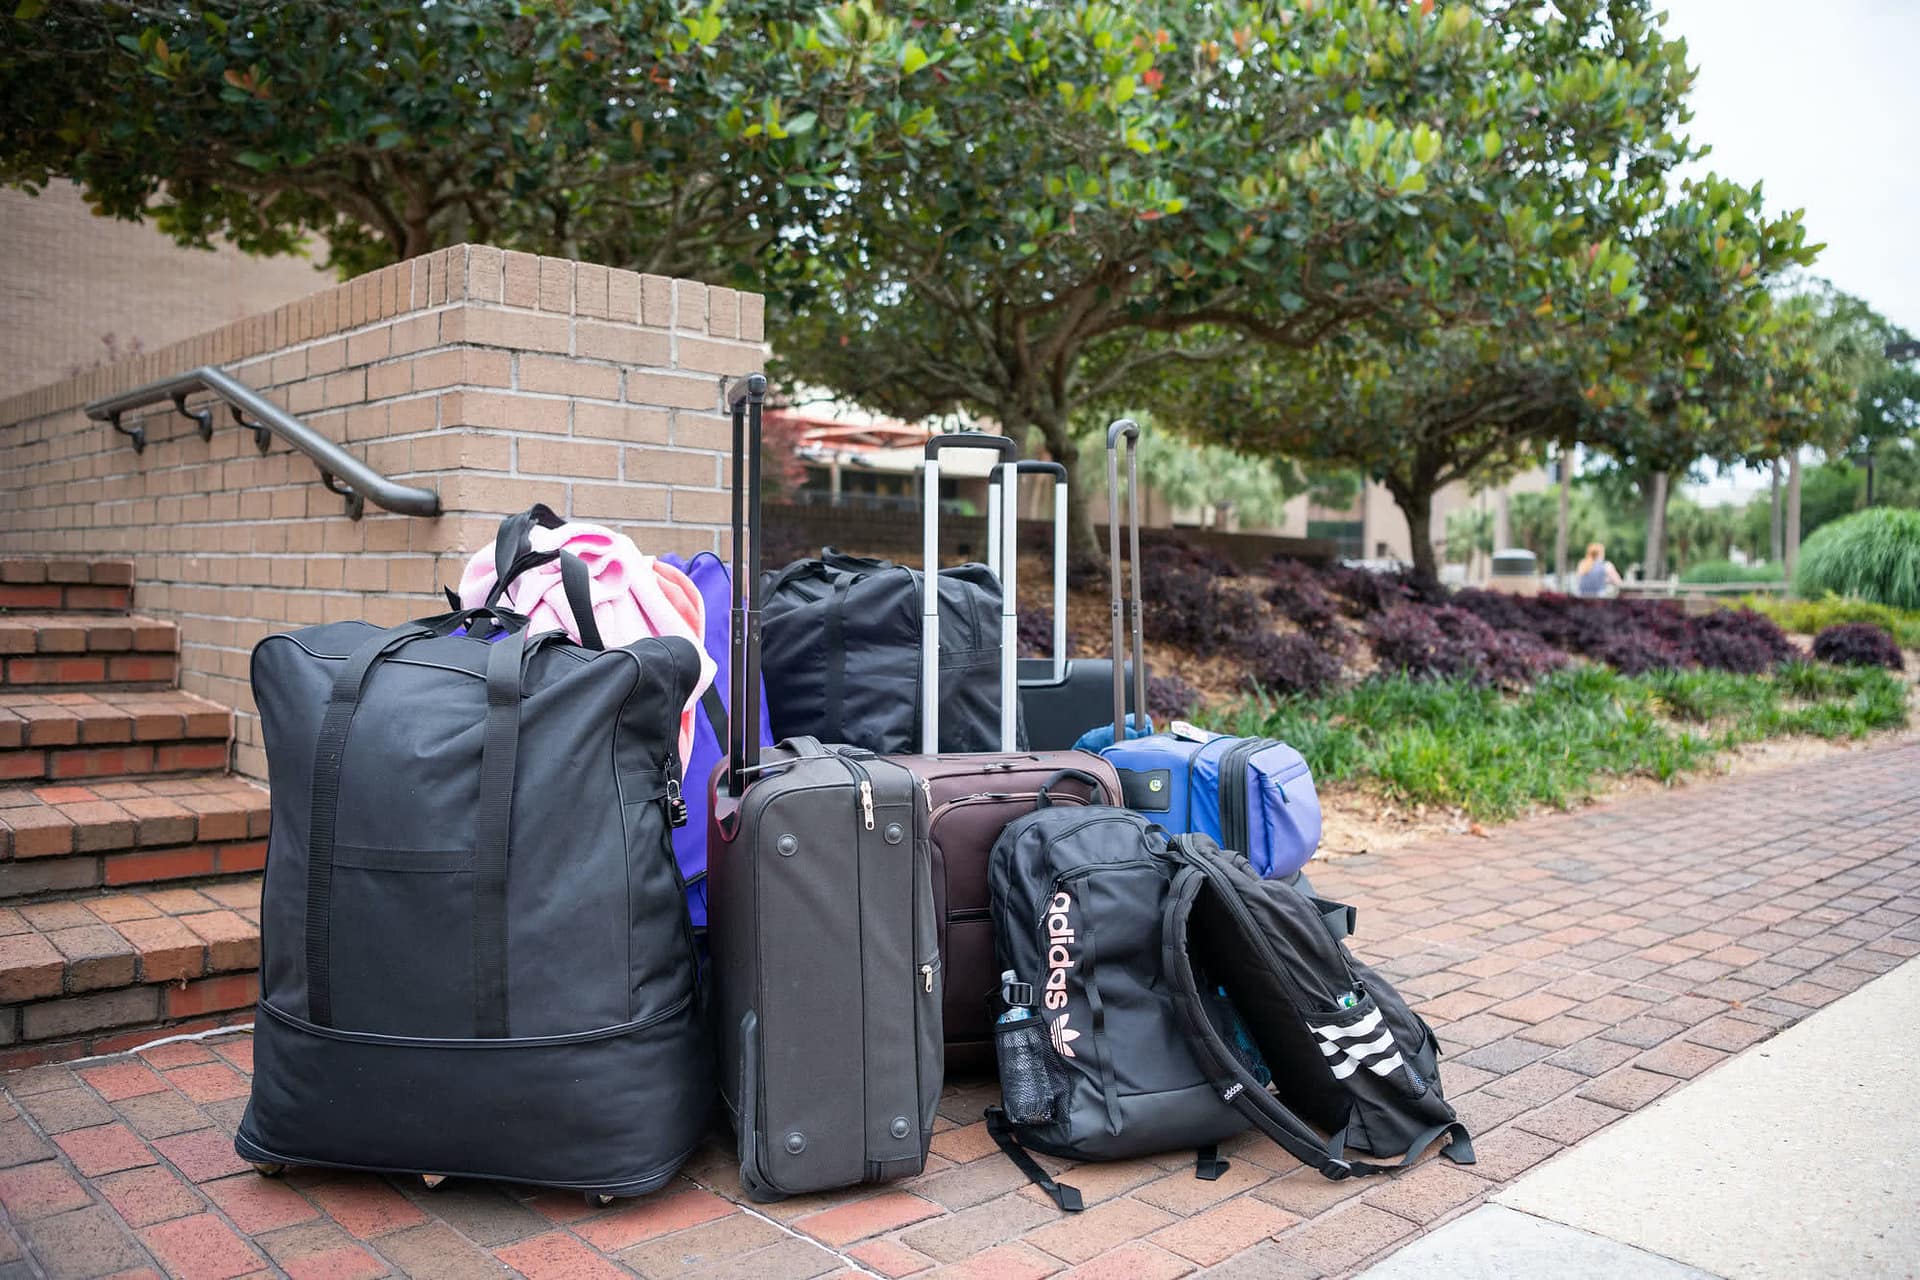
{"x":1739,"y":640}
{"x":1299,"y":592}
{"x":1170,"y":698}
{"x":1036,"y":632}
{"x":1291,"y":663}
{"x":1186,"y":606}
{"x":1431,"y":641}
{"x":1858,"y":644}
{"x":1365,"y":591}
{"x":1518,"y":657}
{"x":1634,"y":651}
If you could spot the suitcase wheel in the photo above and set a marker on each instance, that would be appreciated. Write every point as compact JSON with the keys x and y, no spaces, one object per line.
{"x":599,"y":1200}
{"x":267,"y":1169}
{"x":432,"y":1180}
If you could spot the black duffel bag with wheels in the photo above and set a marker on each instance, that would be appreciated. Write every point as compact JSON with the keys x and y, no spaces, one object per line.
{"x":475,"y":952}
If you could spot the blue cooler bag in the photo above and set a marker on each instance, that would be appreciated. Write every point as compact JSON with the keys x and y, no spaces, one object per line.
{"x":1252,"y":795}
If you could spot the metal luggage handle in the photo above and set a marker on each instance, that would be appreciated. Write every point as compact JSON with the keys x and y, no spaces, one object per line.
{"x":746,"y":402}
{"x":1032,"y":467}
{"x":1005,"y":475}
{"x":1129,"y":430}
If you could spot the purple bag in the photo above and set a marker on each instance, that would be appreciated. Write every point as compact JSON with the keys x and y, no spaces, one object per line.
{"x":715,"y":584}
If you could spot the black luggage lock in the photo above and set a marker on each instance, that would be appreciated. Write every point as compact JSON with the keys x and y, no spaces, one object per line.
{"x":676,"y":805}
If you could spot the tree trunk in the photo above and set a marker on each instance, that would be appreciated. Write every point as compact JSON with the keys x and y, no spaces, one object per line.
{"x":1416,"y":504}
{"x":1775,"y":552}
{"x":1656,"y":566}
{"x":1792,"y":547}
{"x":1564,"y":518}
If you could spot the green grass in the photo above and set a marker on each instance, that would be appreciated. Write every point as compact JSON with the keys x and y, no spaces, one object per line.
{"x":1810,"y":617}
{"x":1495,"y":756}
{"x":1712,"y":571}
{"x":1873,"y":554}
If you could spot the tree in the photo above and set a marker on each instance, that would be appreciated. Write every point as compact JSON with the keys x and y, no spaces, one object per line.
{"x":1104,"y":196}
{"x":661,"y":136}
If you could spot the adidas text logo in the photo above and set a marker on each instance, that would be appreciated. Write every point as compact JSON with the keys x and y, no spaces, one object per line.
{"x":1060,"y":937}
{"x":1232,"y":1093}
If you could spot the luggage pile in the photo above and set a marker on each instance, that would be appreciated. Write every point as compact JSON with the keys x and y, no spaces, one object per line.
{"x":501,"y":940}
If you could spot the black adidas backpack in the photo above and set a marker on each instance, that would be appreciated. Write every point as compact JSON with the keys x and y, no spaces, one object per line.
{"x":1078,"y":895}
{"x":1313,"y":1047}
{"x":1183,"y":998}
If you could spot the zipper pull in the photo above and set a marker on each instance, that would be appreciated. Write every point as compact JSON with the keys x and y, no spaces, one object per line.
{"x":866,"y":802}
{"x":926,"y":977}
{"x":927,"y":791}
{"x":676,"y":804}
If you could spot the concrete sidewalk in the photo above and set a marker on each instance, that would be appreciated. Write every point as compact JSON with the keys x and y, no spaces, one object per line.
{"x":1796,"y":1159}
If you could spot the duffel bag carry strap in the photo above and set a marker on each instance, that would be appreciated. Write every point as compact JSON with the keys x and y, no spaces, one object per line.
{"x":499,"y":754}
{"x":513,"y":555}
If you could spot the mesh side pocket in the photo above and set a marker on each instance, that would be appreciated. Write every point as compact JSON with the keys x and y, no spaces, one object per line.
{"x":1030,"y":1080}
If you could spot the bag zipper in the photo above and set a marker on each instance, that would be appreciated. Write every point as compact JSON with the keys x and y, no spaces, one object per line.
{"x":1233,"y":791}
{"x":1080,"y":873}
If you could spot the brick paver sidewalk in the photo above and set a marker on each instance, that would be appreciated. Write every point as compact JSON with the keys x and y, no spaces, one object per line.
{"x":1575,"y":967}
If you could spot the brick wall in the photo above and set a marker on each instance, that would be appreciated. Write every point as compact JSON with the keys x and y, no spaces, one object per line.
{"x":499,"y":379}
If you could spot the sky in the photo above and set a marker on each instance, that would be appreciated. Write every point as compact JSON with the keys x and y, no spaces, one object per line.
{"x":1820,"y":101}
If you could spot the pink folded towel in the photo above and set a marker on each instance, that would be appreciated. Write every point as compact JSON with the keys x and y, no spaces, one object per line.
{"x":634,"y":596}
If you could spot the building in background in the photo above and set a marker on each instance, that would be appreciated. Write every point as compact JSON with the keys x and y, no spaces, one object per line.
{"x":78,"y":290}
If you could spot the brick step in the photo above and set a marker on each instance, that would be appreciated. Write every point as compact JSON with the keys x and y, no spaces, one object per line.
{"x":64,"y":649}
{"x":100,"y":974}
{"x":105,"y":733}
{"x":68,"y":586}
{"x":128,"y":831}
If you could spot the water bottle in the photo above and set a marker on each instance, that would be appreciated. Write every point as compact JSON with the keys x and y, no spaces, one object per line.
{"x":1029,"y":1079}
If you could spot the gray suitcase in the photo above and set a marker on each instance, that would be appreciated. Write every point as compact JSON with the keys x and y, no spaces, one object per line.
{"x":826,"y":964}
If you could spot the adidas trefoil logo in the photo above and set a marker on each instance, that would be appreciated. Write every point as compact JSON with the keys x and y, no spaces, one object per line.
{"x":1063,"y":1037}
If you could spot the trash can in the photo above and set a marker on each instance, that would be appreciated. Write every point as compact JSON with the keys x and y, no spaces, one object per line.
{"x":1515,"y":570}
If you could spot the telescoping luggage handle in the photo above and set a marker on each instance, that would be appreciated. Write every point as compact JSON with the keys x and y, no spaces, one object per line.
{"x":746,"y":400}
{"x":1006,"y":535}
{"x":1129,"y":430}
{"x":1035,"y":467}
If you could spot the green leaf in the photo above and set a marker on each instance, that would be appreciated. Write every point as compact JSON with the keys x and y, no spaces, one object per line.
{"x":802,"y":123}
{"x":912,"y":58}
{"x":254,"y":160}
{"x":28,"y":10}
{"x":1490,"y":142}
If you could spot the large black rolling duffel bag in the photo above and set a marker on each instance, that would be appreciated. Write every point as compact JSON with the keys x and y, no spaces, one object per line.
{"x":475,"y":951}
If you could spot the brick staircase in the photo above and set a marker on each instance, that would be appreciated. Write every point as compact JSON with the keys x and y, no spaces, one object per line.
{"x":129,"y":856}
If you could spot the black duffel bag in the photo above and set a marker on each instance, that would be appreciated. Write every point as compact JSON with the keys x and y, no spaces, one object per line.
{"x":840,"y":639}
{"x":475,"y":951}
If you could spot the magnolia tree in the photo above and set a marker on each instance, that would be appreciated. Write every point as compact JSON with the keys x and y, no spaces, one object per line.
{"x":655,"y":135}
{"x":1108,"y":201}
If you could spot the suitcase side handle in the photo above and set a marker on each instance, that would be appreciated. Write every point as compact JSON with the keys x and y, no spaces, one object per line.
{"x":746,"y":401}
{"x":1095,"y":787}
{"x":1004,"y":475}
{"x":1125,"y":429}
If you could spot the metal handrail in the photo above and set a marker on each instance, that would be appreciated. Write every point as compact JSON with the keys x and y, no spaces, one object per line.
{"x":340,"y":471}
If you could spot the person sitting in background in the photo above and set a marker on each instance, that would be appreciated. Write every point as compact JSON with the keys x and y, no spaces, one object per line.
{"x":1596,"y":575}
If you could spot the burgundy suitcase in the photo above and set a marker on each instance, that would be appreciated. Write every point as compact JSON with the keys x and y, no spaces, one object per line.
{"x":971,"y":797}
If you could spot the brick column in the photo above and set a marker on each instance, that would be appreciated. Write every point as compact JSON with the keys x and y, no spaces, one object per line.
{"x":499,"y":379}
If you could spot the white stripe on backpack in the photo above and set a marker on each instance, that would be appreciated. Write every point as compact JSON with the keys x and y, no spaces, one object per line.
{"x":1351,"y":1031}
